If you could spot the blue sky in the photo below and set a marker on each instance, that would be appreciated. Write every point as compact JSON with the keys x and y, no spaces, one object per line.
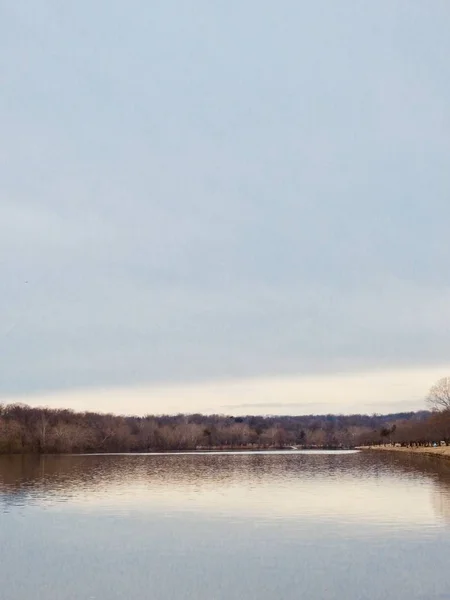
{"x":207,"y":193}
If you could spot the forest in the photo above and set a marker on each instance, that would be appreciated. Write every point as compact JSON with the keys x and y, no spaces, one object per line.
{"x":25,"y":429}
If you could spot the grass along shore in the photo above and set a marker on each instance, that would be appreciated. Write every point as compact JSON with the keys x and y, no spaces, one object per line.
{"x":440,"y":451}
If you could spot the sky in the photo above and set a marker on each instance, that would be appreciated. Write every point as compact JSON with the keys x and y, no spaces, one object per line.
{"x":235,"y":207}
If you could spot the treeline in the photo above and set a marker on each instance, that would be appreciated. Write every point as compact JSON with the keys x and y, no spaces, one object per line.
{"x":434,"y":430}
{"x":24,"y":429}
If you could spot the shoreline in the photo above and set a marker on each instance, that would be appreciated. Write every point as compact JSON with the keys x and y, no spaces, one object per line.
{"x":202,"y":452}
{"x":439,"y":452}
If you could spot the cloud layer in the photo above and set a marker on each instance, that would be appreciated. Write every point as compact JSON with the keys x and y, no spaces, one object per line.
{"x":215,"y":195}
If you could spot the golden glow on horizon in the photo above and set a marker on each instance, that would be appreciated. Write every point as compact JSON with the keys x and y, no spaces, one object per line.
{"x":367,"y":392}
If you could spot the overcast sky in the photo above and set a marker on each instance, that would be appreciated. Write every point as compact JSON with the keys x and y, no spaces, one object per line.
{"x":243,"y":202}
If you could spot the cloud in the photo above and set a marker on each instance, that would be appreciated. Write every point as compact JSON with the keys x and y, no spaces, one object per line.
{"x":186,"y":207}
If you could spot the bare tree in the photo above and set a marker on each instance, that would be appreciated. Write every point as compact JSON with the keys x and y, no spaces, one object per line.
{"x":439,"y":395}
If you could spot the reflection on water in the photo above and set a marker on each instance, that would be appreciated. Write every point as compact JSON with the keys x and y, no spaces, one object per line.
{"x":346,"y":485}
{"x":325,"y":522}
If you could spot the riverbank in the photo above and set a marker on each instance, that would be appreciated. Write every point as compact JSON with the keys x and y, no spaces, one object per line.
{"x":439,"y":452}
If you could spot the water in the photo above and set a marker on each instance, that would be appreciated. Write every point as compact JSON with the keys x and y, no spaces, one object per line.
{"x":347,"y":526}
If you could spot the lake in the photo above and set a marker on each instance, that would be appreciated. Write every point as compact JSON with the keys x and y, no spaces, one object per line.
{"x":288,"y":525}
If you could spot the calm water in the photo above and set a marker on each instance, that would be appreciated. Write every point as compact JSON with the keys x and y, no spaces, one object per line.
{"x":237,"y":526}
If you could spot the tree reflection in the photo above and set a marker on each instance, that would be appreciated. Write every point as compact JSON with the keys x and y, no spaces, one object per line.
{"x":27,"y":480}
